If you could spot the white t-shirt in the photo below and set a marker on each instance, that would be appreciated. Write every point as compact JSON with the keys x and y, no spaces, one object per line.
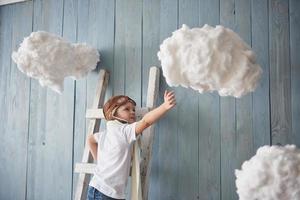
{"x":113,"y":158}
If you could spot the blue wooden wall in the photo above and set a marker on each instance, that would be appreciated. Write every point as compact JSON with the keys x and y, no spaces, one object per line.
{"x":197,"y":145}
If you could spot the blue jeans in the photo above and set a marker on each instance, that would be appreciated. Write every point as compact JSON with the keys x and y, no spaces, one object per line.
{"x":94,"y":194}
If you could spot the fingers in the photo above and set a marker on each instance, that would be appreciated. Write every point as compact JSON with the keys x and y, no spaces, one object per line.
{"x":170,"y":98}
{"x":169,"y":93}
{"x":173,"y":102}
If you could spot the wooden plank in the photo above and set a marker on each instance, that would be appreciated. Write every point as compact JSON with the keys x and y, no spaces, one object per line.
{"x":97,"y":29}
{"x":187,"y":111}
{"x":50,"y":140}
{"x":5,"y":2}
{"x":83,"y":179}
{"x":280,"y":74}
{"x":80,"y":123}
{"x":70,"y":19}
{"x":15,"y":22}
{"x":228,"y":119}
{"x":260,"y":45}
{"x":6,"y":19}
{"x":150,"y":37}
{"x":167,"y":127}
{"x":18,"y":107}
{"x":209,"y":122}
{"x":244,"y":108}
{"x":119,"y":52}
{"x":295,"y":69}
{"x":135,"y":172}
{"x":127,"y":58}
{"x":133,"y":51}
{"x":98,"y":113}
{"x":148,"y":135}
{"x":94,"y":114}
{"x":102,"y":34}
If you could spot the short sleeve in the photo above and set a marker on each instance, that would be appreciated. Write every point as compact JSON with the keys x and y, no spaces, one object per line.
{"x":98,"y":135}
{"x":129,"y":130}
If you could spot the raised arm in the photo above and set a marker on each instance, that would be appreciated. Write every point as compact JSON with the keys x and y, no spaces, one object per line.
{"x":154,"y":115}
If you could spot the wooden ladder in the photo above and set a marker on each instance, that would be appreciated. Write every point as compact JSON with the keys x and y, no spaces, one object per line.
{"x":142,"y":148}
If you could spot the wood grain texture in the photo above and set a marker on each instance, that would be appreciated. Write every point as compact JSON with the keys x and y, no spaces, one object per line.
{"x":280,"y":74}
{"x":6,"y":189}
{"x":197,"y":145}
{"x":80,"y":123}
{"x":167,"y":133}
{"x":188,"y":128}
{"x":244,"y":105}
{"x":261,"y":99}
{"x":294,"y":18}
{"x":150,"y":46}
{"x":228,"y":119}
{"x":51,"y":122}
{"x":14,"y":99}
{"x":209,"y":122}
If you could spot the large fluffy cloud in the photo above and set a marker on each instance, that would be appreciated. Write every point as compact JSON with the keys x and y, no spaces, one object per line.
{"x":209,"y":59}
{"x":272,"y":174}
{"x":50,"y":59}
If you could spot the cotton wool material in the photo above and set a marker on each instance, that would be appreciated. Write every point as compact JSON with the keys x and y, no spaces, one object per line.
{"x":49,"y":58}
{"x":272,"y":174}
{"x":209,"y":59}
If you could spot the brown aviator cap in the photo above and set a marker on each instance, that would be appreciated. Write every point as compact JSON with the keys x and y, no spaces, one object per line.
{"x":113,"y":103}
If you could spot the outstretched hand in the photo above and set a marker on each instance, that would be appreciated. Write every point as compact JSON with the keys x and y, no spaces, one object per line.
{"x":170,"y":100}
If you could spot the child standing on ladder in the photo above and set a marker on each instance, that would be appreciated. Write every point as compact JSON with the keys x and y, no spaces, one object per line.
{"x":112,"y":147}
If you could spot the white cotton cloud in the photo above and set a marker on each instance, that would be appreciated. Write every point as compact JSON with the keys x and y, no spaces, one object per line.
{"x":209,"y":59}
{"x":50,"y":59}
{"x":272,"y":174}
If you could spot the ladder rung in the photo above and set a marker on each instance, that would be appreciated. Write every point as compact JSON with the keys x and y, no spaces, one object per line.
{"x":86,"y":168}
{"x":98,"y":113}
{"x":94,"y":114}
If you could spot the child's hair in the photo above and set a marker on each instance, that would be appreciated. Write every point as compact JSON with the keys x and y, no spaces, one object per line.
{"x":113,"y":104}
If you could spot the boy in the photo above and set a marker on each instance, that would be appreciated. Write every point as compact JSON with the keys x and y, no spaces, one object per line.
{"x":112,"y":147}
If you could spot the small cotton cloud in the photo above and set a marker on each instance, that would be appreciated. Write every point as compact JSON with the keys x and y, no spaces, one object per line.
{"x":209,"y":59}
{"x":272,"y":174}
{"x":49,"y":58}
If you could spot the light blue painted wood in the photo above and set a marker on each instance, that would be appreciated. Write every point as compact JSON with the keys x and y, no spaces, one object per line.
{"x":187,"y":162}
{"x":150,"y":42}
{"x":70,"y":21}
{"x":105,"y":17}
{"x":133,"y":53}
{"x":7,"y":170}
{"x":18,"y":112}
{"x":119,"y":49}
{"x":80,"y":126}
{"x":167,"y":126}
{"x":51,"y":123}
{"x":294,"y":8}
{"x":209,"y":122}
{"x":244,"y":108}
{"x":92,"y":39}
{"x":15,"y":21}
{"x":280,"y":77}
{"x":228,"y":119}
{"x":133,"y":50}
{"x":128,"y":52}
{"x":187,"y":113}
{"x":261,"y":101}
